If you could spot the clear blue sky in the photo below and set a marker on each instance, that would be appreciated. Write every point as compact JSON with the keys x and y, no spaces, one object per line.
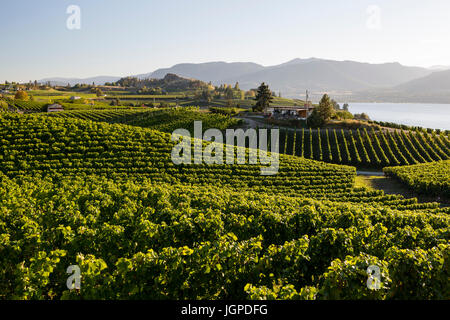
{"x":120,"y":37}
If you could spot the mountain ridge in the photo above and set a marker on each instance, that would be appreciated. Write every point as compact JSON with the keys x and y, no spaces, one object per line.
{"x":362,"y":80}
{"x":62,"y":81}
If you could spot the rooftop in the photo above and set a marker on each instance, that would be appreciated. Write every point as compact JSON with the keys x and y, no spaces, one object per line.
{"x":292,"y":107}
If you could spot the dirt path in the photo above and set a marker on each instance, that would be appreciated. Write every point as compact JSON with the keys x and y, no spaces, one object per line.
{"x":253,"y":122}
{"x":380,"y":182}
{"x":250,"y":123}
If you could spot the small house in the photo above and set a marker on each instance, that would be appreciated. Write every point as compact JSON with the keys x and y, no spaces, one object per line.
{"x":55,"y":108}
{"x":75,"y":98}
{"x":289,"y":112}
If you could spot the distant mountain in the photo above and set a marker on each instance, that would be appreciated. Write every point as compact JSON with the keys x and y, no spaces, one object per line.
{"x":215,"y":72}
{"x":298,"y":61}
{"x":433,"y":88}
{"x":349,"y":79}
{"x":100,"y":80}
{"x":439,"y":68}
{"x":435,"y":82}
{"x":328,"y":75}
{"x":294,"y":77}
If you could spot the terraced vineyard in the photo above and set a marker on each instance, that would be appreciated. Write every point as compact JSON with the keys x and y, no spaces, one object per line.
{"x":100,"y":106}
{"x":27,"y":105}
{"x":428,"y":178}
{"x":47,"y":145}
{"x":119,"y":115}
{"x":108,"y":198}
{"x":39,"y":106}
{"x":168,"y":120}
{"x":364,"y":148}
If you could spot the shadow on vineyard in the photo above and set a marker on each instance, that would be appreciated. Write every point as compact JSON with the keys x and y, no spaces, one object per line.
{"x":390,"y":185}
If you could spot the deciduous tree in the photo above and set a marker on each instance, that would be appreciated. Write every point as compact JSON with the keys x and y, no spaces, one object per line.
{"x":322,"y":113}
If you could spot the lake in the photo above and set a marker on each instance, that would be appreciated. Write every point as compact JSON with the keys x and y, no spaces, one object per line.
{"x":436,"y":116}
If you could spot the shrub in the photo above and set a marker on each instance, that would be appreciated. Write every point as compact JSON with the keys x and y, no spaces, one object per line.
{"x":420,"y":274}
{"x":348,"y":279}
{"x":21,"y":95}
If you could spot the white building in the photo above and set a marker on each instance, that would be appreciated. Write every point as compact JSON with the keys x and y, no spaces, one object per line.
{"x":55,"y":108}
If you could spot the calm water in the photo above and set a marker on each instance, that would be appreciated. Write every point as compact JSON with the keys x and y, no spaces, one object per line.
{"x":436,"y":116}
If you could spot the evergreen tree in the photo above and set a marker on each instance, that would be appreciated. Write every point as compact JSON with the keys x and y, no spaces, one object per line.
{"x":315,"y":120}
{"x":229,"y":93}
{"x":263,"y":98}
{"x":325,"y":108}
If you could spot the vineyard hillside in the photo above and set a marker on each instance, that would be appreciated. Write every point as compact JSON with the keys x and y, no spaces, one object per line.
{"x":361,"y":148}
{"x":161,"y":119}
{"x":48,"y":145}
{"x":365,"y":148}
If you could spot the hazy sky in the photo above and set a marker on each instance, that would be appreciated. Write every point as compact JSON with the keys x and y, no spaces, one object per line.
{"x":119,"y":37}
